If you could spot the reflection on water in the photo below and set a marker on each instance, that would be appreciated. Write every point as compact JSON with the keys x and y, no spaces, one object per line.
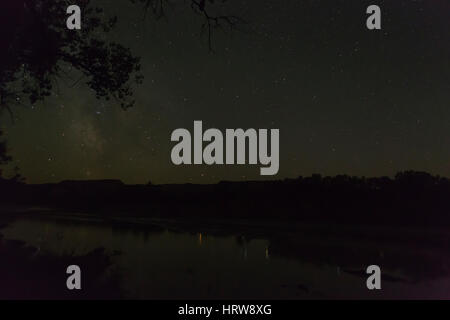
{"x":158,"y":263}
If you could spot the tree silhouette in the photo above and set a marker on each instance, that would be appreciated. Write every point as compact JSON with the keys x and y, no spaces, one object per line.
{"x":215,"y":14}
{"x":4,"y":158}
{"x":38,"y":50}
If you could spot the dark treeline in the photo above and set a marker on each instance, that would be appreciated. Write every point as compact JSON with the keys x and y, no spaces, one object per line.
{"x":411,"y":198}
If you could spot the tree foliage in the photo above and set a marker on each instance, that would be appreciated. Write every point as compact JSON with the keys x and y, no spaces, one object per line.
{"x":4,"y":158}
{"x":38,"y":50}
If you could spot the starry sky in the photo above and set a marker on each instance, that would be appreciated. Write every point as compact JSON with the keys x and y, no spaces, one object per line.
{"x":347,"y":100}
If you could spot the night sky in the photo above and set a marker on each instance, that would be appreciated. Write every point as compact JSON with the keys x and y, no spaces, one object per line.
{"x":347,"y":100}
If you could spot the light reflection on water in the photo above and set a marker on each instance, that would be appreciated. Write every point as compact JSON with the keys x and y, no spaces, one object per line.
{"x":181,"y":265}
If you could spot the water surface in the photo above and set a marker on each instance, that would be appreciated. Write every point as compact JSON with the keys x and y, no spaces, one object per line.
{"x":161,"y":262}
